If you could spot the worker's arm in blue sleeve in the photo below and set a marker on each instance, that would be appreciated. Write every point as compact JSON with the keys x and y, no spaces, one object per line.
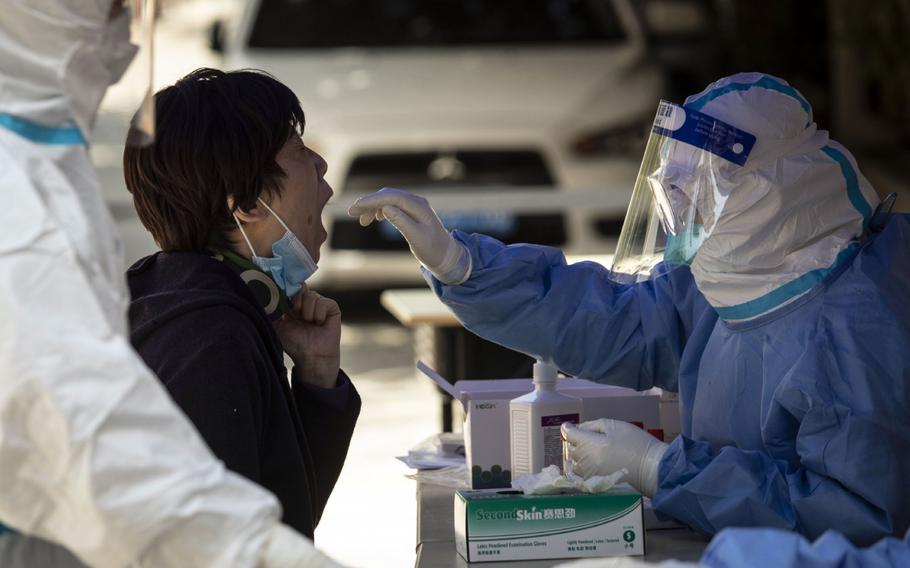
{"x":850,"y":475}
{"x":527,"y":298}
{"x":738,"y":548}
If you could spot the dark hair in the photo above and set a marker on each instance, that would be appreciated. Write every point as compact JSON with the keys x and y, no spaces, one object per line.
{"x":217,"y":134}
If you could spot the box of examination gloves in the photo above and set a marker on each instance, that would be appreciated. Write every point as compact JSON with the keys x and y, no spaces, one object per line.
{"x":495,"y":524}
{"x":486,"y":417}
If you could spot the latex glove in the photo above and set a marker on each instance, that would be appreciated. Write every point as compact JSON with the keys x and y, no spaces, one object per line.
{"x":287,"y":548}
{"x":431,"y":243}
{"x":601,"y":447}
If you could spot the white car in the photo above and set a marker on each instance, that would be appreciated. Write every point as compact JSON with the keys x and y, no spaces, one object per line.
{"x":524,"y":120}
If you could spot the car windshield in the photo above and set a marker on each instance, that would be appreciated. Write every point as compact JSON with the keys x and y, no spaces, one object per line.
{"x":425,"y":23}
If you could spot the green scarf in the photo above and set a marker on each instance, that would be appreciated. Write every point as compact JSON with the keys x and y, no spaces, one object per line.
{"x":268,"y":295}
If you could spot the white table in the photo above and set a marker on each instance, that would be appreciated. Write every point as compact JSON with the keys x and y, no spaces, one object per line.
{"x":436,"y":537}
{"x":418,"y":306}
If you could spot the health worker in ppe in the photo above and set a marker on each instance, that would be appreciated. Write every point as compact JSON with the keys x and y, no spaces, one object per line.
{"x":94,"y":456}
{"x":758,"y":276}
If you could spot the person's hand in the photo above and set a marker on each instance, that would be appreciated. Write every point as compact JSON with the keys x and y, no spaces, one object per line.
{"x":286,"y":548}
{"x":601,"y":447}
{"x":310,"y":333}
{"x":430,"y":242}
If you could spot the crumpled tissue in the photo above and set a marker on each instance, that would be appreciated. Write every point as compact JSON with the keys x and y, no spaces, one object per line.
{"x":551,"y":481}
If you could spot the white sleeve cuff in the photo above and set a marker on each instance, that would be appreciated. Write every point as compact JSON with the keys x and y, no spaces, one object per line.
{"x":456,"y":265}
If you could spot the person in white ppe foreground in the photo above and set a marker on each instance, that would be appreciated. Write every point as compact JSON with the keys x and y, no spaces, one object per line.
{"x":94,"y":456}
{"x":759,"y":277}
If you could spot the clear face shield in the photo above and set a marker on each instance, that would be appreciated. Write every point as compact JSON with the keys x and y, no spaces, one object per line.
{"x":142,"y":30}
{"x":131,"y":30}
{"x":682,"y":186}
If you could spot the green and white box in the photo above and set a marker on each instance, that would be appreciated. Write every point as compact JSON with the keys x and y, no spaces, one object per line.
{"x":493,"y":524}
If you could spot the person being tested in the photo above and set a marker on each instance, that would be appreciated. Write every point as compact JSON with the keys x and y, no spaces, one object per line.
{"x":239,"y":238}
{"x":759,"y":277}
{"x":94,"y":456}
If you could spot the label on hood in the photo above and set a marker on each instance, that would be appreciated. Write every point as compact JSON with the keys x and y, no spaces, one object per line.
{"x":704,"y":132}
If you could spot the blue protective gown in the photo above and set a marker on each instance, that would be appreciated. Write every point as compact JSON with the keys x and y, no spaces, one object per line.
{"x":738,"y":548}
{"x":798,"y":419}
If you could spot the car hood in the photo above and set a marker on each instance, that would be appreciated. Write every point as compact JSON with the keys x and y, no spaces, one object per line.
{"x":439,"y":88}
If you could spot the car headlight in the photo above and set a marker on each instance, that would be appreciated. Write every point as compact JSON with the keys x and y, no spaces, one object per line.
{"x":624,"y":140}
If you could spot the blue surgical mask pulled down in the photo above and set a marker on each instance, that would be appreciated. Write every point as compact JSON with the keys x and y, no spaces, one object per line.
{"x":290,"y":264}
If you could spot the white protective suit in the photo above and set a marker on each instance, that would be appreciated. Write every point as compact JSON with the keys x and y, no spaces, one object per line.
{"x":93,"y":453}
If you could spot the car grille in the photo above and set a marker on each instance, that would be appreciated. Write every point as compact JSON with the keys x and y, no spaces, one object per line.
{"x":465,"y":168}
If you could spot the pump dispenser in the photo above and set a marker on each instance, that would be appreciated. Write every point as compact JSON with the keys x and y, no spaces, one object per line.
{"x":535,"y":421}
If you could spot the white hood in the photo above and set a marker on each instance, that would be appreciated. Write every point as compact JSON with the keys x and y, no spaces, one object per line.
{"x":792,"y":215}
{"x":57,"y":59}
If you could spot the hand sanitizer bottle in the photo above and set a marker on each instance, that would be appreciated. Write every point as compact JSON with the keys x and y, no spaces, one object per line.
{"x":535,"y":419}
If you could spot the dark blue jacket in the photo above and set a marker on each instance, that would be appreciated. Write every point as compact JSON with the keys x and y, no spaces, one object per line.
{"x":198,"y":326}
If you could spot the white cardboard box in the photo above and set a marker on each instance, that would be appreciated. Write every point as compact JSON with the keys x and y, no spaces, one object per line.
{"x":486,"y":416}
